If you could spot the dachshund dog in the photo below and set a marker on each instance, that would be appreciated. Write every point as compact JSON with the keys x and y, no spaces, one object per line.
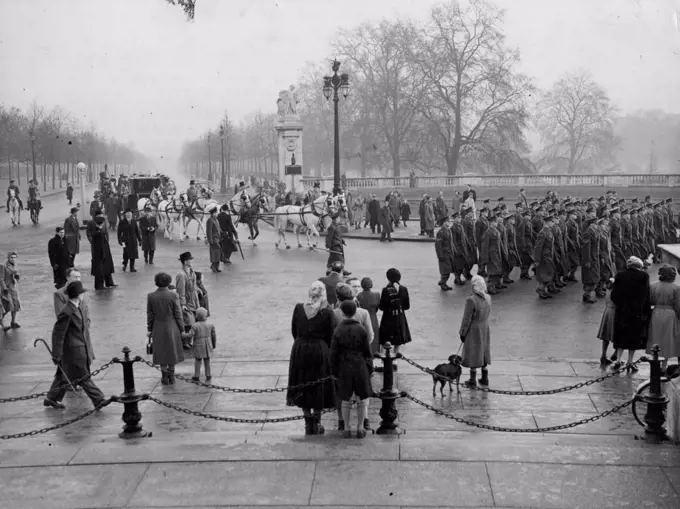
{"x":451,"y":372}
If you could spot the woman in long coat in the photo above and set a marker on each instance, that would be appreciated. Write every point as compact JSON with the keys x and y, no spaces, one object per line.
{"x":312,"y":327}
{"x":9,"y":290}
{"x":630,"y":295}
{"x":102,"y":261}
{"x":475,"y":332}
{"x":394,"y":302}
{"x":664,"y":324}
{"x":165,"y":326}
{"x":606,"y":331}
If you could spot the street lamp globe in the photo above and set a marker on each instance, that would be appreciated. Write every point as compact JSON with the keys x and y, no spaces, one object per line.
{"x":344,"y":85}
{"x":81,"y":167}
{"x":327,"y":87}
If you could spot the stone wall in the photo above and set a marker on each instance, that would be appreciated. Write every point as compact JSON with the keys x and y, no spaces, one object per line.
{"x":673,"y":413}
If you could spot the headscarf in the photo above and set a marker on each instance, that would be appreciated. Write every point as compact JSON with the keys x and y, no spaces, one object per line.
{"x":9,"y":258}
{"x":634,"y":262}
{"x":479,"y":287}
{"x":317,"y":297}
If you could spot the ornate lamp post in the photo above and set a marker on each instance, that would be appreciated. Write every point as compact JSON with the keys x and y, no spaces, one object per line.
{"x":331,"y":86}
{"x":223,"y":177}
{"x":82,"y":168}
{"x":210,"y":172}
{"x":35,"y":177}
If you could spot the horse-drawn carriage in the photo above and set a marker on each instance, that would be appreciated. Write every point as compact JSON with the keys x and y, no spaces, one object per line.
{"x":140,"y":187}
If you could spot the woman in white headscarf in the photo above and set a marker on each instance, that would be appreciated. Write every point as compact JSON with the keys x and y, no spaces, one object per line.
{"x":312,"y":328}
{"x":475,"y":333}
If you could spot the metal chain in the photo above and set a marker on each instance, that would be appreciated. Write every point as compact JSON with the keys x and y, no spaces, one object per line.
{"x":63,"y":386}
{"x":594,"y":418}
{"x":196,"y":413}
{"x":243,"y":391}
{"x":61,"y":424}
{"x":523,"y":393}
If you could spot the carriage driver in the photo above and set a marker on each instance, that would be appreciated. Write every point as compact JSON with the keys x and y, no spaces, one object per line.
{"x":192,"y":193}
{"x":13,"y":186}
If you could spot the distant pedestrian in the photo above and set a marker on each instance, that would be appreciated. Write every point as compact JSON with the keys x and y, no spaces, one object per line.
{"x":72,"y":235}
{"x":59,"y":257}
{"x":9,"y":290}
{"x":102,"y":262}
{"x":229,"y":234}
{"x":664,"y":324}
{"x":335,"y":244}
{"x":204,"y":341}
{"x":352,"y":363}
{"x":405,"y":212}
{"x":475,"y":332}
{"x":385,"y":220}
{"x":130,"y":237}
{"x":214,"y":238}
{"x":165,"y":327}
{"x":429,"y":220}
{"x":456,"y":202}
{"x":69,"y":193}
{"x":148,"y":225}
{"x":72,"y":350}
{"x":630,"y":295}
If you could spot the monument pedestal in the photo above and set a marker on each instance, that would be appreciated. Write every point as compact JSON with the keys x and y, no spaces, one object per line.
{"x":290,"y":152}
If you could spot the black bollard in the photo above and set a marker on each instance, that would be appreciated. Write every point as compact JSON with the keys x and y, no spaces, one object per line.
{"x":389,"y":396}
{"x":130,"y":398}
{"x":657,"y":401}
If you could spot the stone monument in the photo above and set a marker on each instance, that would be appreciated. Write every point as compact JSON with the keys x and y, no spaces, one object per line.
{"x":289,"y":129}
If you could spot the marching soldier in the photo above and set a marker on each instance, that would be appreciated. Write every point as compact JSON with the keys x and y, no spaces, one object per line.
{"x":511,"y":243}
{"x":590,"y":259}
{"x":544,"y":258}
{"x":469,"y":228}
{"x":616,"y":234}
{"x":606,"y":266}
{"x":491,"y":255}
{"x":444,"y":249}
{"x":572,"y":244}
{"x":500,"y":226}
{"x":481,"y":225}
{"x":525,"y":244}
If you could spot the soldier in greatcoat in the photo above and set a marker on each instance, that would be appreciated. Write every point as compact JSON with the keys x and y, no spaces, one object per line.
{"x":148,"y":224}
{"x":616,"y":232}
{"x":544,"y":256}
{"x":590,"y":259}
{"x":525,"y":244}
{"x":214,"y":237}
{"x":607,"y":270}
{"x":72,"y":235}
{"x":130,"y":238}
{"x":481,"y":226}
{"x":461,"y":249}
{"x":572,"y":244}
{"x":500,"y":226}
{"x":443,"y":246}
{"x":491,"y":255}
{"x":469,"y":227}
{"x":511,"y":243}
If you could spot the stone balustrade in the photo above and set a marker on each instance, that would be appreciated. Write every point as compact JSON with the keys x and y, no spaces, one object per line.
{"x":516,"y":181}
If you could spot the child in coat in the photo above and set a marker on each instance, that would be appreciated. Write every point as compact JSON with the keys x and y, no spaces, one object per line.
{"x":405,"y":212}
{"x":204,"y":341}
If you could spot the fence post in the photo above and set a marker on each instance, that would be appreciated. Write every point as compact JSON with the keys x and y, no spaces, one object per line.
{"x":130,"y":398}
{"x":655,"y":429}
{"x":388,"y":396}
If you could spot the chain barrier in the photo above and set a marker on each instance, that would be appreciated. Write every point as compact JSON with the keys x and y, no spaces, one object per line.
{"x":94,"y":373}
{"x":524,"y":393}
{"x":80,"y":417}
{"x":239,"y":390}
{"x":197,"y":413}
{"x":489,"y":427}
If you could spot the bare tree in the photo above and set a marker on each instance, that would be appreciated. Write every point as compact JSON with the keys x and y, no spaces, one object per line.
{"x":189,"y":6}
{"x":575,"y":120}
{"x":472,"y":86}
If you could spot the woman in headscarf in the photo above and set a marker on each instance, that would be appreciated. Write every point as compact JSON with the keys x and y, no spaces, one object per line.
{"x":9,"y":291}
{"x":312,"y":328}
{"x":664,"y":324}
{"x":475,"y":333}
{"x":630,"y":295}
{"x":394,"y":301}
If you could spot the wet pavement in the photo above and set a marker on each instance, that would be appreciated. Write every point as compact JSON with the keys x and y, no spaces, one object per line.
{"x":536,"y":345}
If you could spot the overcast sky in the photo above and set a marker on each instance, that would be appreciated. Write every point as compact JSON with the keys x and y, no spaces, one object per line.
{"x":143,"y":74}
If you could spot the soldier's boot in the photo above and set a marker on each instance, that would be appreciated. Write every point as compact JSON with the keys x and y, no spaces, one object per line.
{"x":472,"y":382}
{"x":484,"y":380}
{"x":559,"y":283}
{"x":132,"y":266}
{"x":317,"y":428}
{"x":600,"y":291}
{"x":309,"y":425}
{"x":588,"y":298}
{"x":524,"y":274}
{"x":501,"y":286}
{"x":506,"y":279}
{"x":151,"y":253}
{"x":458,"y":281}
{"x":553,"y":289}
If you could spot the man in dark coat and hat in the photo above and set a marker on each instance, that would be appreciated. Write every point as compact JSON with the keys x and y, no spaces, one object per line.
{"x":130,"y":237}
{"x":335,"y":243}
{"x":214,"y":238}
{"x":148,"y":225}
{"x":102,"y":261}
{"x":443,"y":246}
{"x":229,"y":234}
{"x":72,"y":351}
{"x":72,"y":234}
{"x":59,"y":257}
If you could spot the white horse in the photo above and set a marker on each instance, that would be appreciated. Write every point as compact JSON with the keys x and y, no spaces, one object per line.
{"x":14,"y":209}
{"x":246,"y":211}
{"x":160,"y":206}
{"x":174,"y":212}
{"x":307,"y":216}
{"x":196,"y":211}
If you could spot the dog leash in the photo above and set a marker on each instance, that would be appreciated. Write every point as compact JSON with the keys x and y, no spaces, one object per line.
{"x":459,"y":348}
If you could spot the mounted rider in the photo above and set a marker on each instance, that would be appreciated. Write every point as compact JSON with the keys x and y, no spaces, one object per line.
{"x":13,"y":187}
{"x":96,"y":204}
{"x":124,"y":190}
{"x":243,"y":195}
{"x":191,"y":194}
{"x":34,"y":193}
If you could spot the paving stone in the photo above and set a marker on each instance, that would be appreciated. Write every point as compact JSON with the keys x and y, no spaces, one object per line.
{"x":673,"y":475}
{"x":534,"y":368}
{"x":69,"y":487}
{"x":566,"y":402}
{"x":255,"y":483}
{"x":619,"y":423}
{"x":13,"y":390}
{"x":27,"y":453}
{"x":223,"y":402}
{"x":580,"y":486}
{"x":401,"y":483}
{"x":261,"y":368}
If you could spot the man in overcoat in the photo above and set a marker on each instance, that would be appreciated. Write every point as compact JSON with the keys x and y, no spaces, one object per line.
{"x":500,"y":226}
{"x":441,"y":209}
{"x":421,"y":214}
{"x":59,"y":257}
{"x":490,"y":254}
{"x":185,"y":284}
{"x":214,"y":237}
{"x":443,"y":246}
{"x":331,"y":281}
{"x":72,"y":235}
{"x":590,"y":259}
{"x":469,"y":227}
{"x":373,"y":211}
{"x":461,"y":249}
{"x":525,"y":244}
{"x":511,"y":245}
{"x":385,"y":220}
{"x":130,"y":238}
{"x":148,"y":224}
{"x":102,"y":261}
{"x":72,"y":350}
{"x":335,"y":243}
{"x":572,"y":244}
{"x":229,"y":234}
{"x":544,"y":256}
{"x":607,"y":270}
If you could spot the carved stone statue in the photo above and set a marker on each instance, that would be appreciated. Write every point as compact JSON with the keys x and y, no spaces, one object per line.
{"x":287,"y":103}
